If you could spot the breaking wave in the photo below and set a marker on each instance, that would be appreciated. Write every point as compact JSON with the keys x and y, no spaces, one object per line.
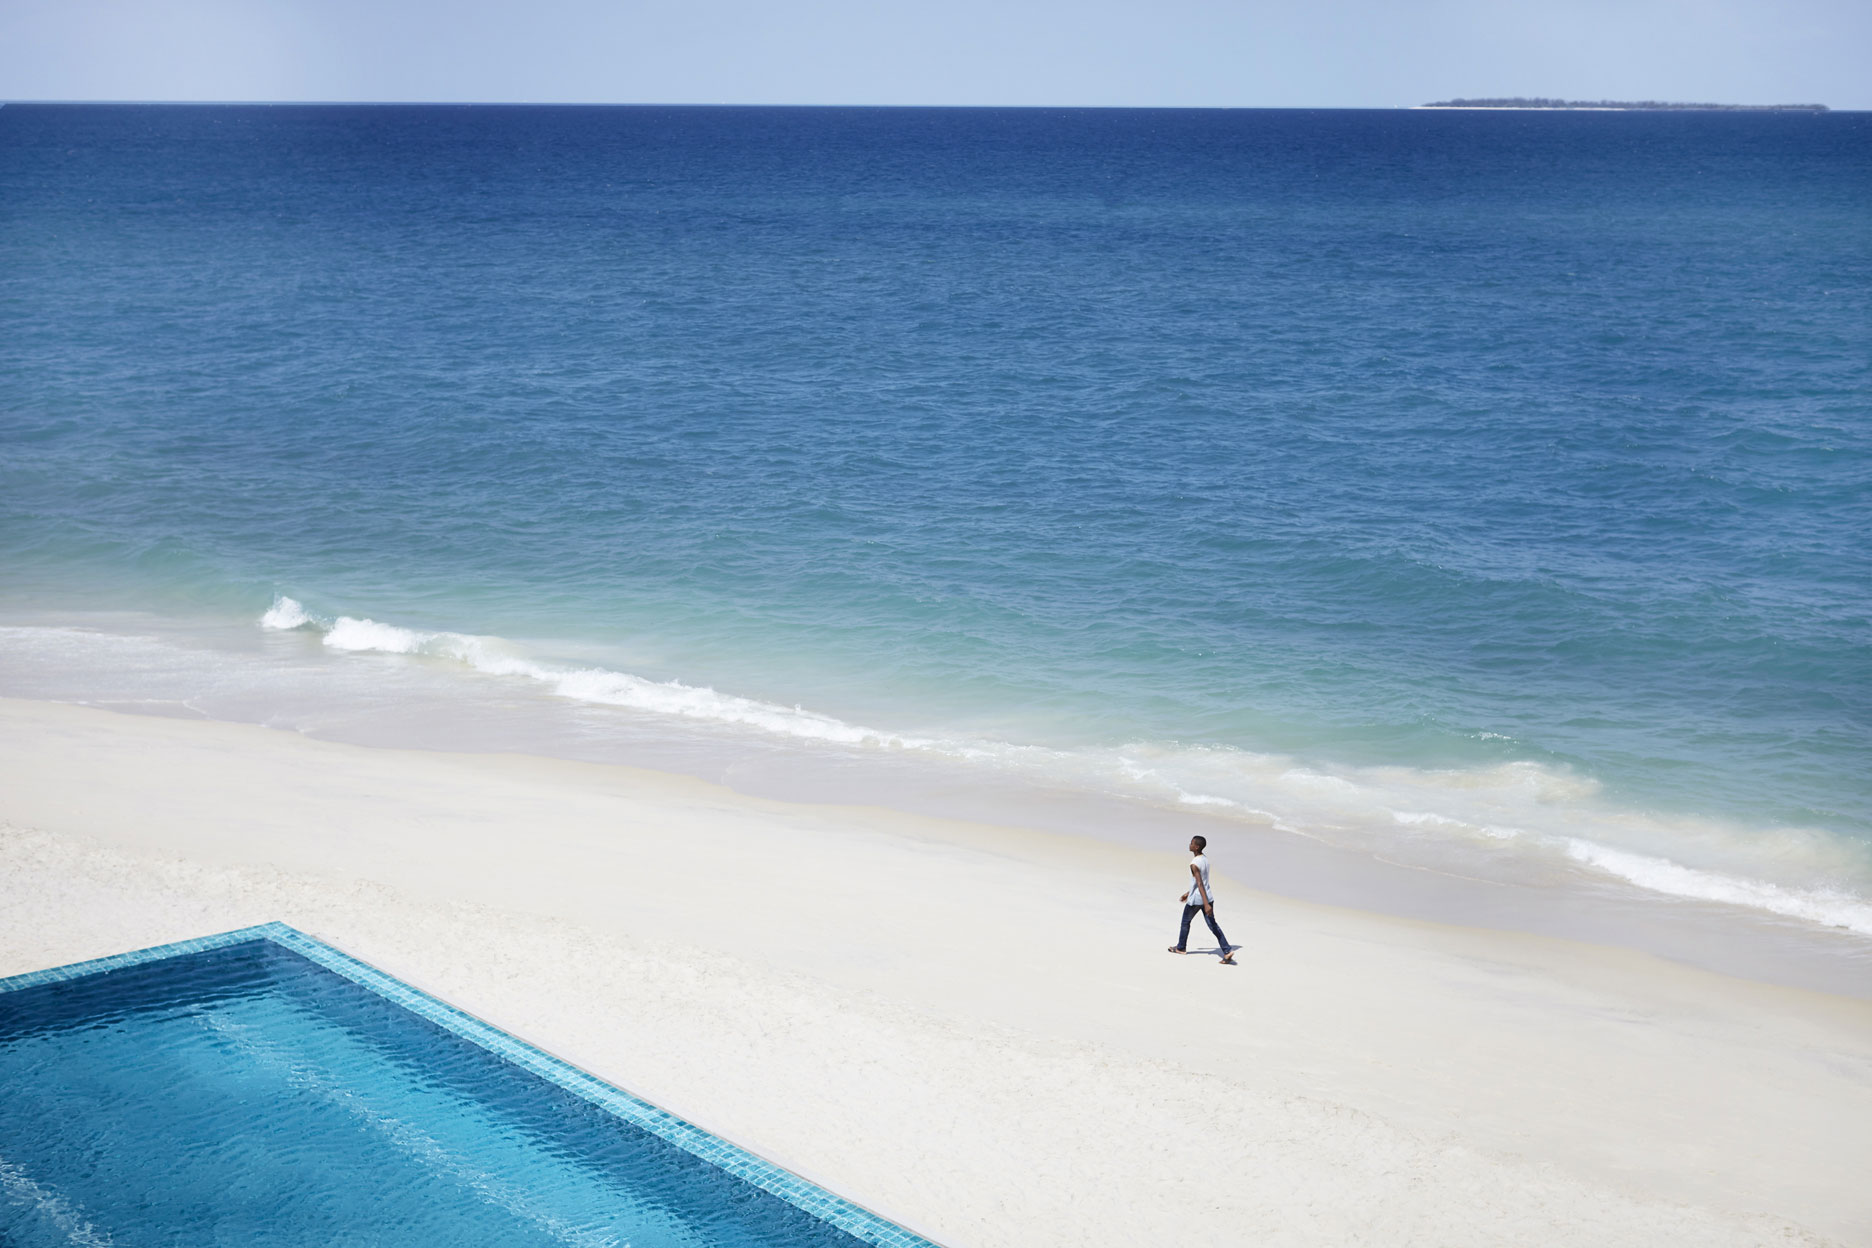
{"x":585,"y":684}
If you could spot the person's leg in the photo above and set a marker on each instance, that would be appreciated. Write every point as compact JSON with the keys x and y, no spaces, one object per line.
{"x":1217,"y":929}
{"x":1189,"y":912}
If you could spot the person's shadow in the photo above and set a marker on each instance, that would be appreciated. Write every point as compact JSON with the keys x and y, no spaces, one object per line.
{"x":1219,"y":952}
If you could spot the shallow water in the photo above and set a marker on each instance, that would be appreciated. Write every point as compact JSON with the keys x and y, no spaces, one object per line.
{"x":1487,"y":492}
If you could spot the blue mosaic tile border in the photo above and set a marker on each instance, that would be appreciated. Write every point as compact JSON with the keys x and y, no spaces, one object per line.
{"x":853,"y":1219}
{"x":97,"y":966}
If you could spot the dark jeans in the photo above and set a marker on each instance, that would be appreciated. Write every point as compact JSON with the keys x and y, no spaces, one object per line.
{"x":1190,"y":912}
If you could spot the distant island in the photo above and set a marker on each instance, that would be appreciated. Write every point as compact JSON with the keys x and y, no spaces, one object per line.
{"x":1655,"y":106}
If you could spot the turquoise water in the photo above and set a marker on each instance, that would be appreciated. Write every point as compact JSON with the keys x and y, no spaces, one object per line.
{"x":247,"y":1094}
{"x":1360,"y":473}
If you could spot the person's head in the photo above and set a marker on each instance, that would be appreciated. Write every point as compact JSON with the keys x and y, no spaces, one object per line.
{"x":1198,"y":844}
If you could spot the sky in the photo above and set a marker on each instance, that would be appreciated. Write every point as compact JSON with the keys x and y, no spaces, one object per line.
{"x":1161,"y":53}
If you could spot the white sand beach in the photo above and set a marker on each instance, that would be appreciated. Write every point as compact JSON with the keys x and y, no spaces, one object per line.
{"x":973,"y":1029}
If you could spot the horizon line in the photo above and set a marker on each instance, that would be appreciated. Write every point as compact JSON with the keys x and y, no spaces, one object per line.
{"x":1181,"y":108}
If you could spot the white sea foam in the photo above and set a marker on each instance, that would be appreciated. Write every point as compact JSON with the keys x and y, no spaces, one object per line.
{"x":285,"y":614}
{"x":1832,"y":907}
{"x":1427,"y":817}
{"x":1316,"y":780}
{"x":494,"y":657}
{"x":349,"y":634}
{"x":1430,"y":819}
{"x":1205,"y":799}
{"x":702,"y":703}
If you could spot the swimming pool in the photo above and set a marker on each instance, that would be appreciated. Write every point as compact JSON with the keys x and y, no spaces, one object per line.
{"x":263,"y":1088}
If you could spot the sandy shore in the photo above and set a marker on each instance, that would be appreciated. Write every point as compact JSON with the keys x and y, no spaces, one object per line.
{"x":973,"y":1029}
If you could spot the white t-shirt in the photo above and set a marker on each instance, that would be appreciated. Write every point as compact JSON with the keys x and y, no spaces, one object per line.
{"x":1201,"y":863}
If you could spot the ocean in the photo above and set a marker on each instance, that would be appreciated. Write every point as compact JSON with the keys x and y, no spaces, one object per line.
{"x":1485,"y":493}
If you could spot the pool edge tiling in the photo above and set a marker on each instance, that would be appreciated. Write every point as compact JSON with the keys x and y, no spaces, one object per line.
{"x":854,"y":1219}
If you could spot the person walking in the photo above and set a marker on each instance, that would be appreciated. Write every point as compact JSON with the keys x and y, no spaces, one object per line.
{"x":1199,"y":898}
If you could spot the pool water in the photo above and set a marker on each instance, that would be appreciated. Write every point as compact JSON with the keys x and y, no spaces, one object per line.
{"x":238,"y":1091}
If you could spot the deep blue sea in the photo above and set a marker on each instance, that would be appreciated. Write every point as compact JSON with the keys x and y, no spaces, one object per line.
{"x":1451,"y":483}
